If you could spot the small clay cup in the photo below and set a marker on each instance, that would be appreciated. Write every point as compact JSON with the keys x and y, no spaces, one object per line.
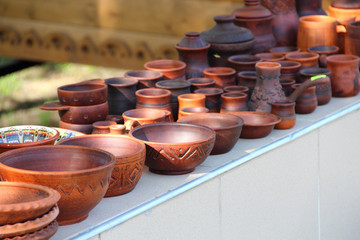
{"x":82,"y":94}
{"x":212,"y":98}
{"x":244,"y":62}
{"x":233,"y":101}
{"x":138,"y":117}
{"x":153,"y":98}
{"x":102,"y":127}
{"x":191,"y":100}
{"x":197,"y":83}
{"x":146,"y":78}
{"x":223,"y":76}
{"x":286,"y":111}
{"x":306,"y":102}
{"x":306,"y":59}
{"x":270,"y":57}
{"x":171,"y":69}
{"x":192,"y":111}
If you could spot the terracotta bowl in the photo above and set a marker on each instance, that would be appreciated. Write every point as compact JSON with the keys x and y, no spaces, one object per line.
{"x":175,"y":148}
{"x":227,"y":127}
{"x":67,"y":133}
{"x":130,"y":159}
{"x":171,"y":69}
{"x":26,"y":136}
{"x":257,"y":124}
{"x":20,"y":202}
{"x":80,"y":174}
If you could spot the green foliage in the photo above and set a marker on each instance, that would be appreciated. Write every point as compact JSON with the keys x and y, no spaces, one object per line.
{"x":8,"y":84}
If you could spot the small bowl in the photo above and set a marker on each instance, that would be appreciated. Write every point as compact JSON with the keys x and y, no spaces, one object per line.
{"x":20,"y":202}
{"x":175,"y":148}
{"x":26,"y":136}
{"x":227,"y":127}
{"x":257,"y":124}
{"x":81,"y":175}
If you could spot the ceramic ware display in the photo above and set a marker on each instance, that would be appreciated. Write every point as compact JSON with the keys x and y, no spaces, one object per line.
{"x":84,"y":128}
{"x":146,"y":78}
{"x":129,"y":154}
{"x":306,"y":59}
{"x":26,"y":136}
{"x":121,"y":94}
{"x":223,"y":76}
{"x":212,"y":98}
{"x":178,"y":149}
{"x":192,"y":111}
{"x":102,"y":127}
{"x":81,"y":94}
{"x":323,"y":52}
{"x":197,"y":83}
{"x":352,"y":38}
{"x":138,"y":117}
{"x":153,"y":98}
{"x":309,"y":7}
{"x":286,"y":111}
{"x":306,"y":102}
{"x":243,"y":62}
{"x":227,"y":127}
{"x":81,"y":175}
{"x":171,"y":69}
{"x":233,"y":101}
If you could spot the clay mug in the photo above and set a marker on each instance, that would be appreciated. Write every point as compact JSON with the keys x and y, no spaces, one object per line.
{"x":306,"y":102}
{"x":191,"y":111}
{"x":212,"y":98}
{"x":102,"y":127}
{"x":286,"y":111}
{"x":233,"y":102}
{"x":247,"y":79}
{"x":138,"y":117}
{"x":171,"y":69}
{"x":223,"y":76}
{"x":146,"y":78}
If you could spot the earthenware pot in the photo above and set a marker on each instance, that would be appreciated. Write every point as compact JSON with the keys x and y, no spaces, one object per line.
{"x":192,"y":111}
{"x":315,"y":30}
{"x":82,"y":94}
{"x":352,"y":38}
{"x":78,"y":114}
{"x":194,"y":52}
{"x":197,"y":83}
{"x":247,"y":79}
{"x":226,"y":39}
{"x":270,"y":57}
{"x":84,"y":128}
{"x":244,"y":62}
{"x":286,"y":86}
{"x":171,"y":69}
{"x":344,"y":74}
{"x":146,"y":78}
{"x":226,"y":126}
{"x":306,"y":59}
{"x":178,"y":149}
{"x":212,"y":98}
{"x":323,"y":52}
{"x":306,"y":102}
{"x":289,"y":69}
{"x":81,"y":175}
{"x":233,"y":101}
{"x":121,"y":94}
{"x":345,"y":4}
{"x":129,"y":154}
{"x":309,"y":7}
{"x":258,"y":20}
{"x":286,"y":111}
{"x":191,"y":100}
{"x":137,"y":117}
{"x":223,"y":76}
{"x":102,"y":127}
{"x":153,"y":98}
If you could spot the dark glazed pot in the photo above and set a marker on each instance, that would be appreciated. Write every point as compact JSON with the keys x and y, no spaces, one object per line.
{"x":306,"y":102}
{"x":212,"y":98}
{"x":194,"y":52}
{"x":82,"y":94}
{"x":198,"y":83}
{"x":146,"y":78}
{"x":227,"y":39}
{"x":244,"y":62}
{"x":223,"y":76}
{"x":309,"y":7}
{"x":233,"y":101}
{"x":121,"y":94}
{"x":286,"y":111}
{"x":153,"y":98}
{"x":171,"y":69}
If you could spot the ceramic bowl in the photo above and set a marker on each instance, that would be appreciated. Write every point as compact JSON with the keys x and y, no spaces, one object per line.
{"x":227,"y":127}
{"x":20,"y":202}
{"x":80,"y":174}
{"x":26,"y":136}
{"x":130,"y":159}
{"x":175,"y":148}
{"x":67,"y":133}
{"x":171,"y":69}
{"x":257,"y":124}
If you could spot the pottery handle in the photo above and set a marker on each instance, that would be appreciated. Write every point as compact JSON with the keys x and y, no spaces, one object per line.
{"x":308,"y":83}
{"x":54,"y":106}
{"x":131,"y":124}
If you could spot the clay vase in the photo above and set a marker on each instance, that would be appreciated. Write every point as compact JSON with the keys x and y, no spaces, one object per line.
{"x":194,"y":52}
{"x":286,"y":85}
{"x":176,"y":87}
{"x":352,"y":38}
{"x":307,"y":101}
{"x":121,"y":94}
{"x":198,"y":83}
{"x":223,"y":76}
{"x":289,"y":69}
{"x":316,"y":30}
{"x":270,"y":57}
{"x":323,"y":52}
{"x":226,"y":39}
{"x":153,"y":98}
{"x":192,"y":111}
{"x":233,"y":102}
{"x":247,"y":79}
{"x":286,"y":111}
{"x":212,"y":98}
{"x":171,"y":69}
{"x":346,"y":4}
{"x":244,"y":62}
{"x":323,"y":91}
{"x":258,"y":20}
{"x":285,"y":21}
{"x":191,"y":100}
{"x":146,"y":78}
{"x":283,"y":50}
{"x":344,"y":74}
{"x":306,"y":59}
{"x":102,"y":127}
{"x":309,"y":7}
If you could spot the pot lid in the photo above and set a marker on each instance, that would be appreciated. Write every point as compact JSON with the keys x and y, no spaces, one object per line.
{"x":192,"y":40}
{"x":225,"y":31}
{"x":252,"y":9}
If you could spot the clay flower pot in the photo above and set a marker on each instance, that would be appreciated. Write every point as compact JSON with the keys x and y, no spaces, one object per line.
{"x":227,"y":127}
{"x":26,"y":136}
{"x":197,"y":83}
{"x":223,"y":76}
{"x":244,"y":62}
{"x":82,"y":94}
{"x":129,"y":154}
{"x":153,"y":98}
{"x":146,"y":78}
{"x":192,"y":111}
{"x":286,"y":111}
{"x":171,"y":69}
{"x":137,"y":117}
{"x":212,"y":98}
{"x":306,"y":59}
{"x":178,"y":149}
{"x":102,"y":127}
{"x":81,"y":175}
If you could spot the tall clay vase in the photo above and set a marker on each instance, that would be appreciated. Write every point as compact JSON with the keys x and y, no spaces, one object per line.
{"x":309,"y":7}
{"x":344,"y":74}
{"x":212,"y":98}
{"x":121,"y":94}
{"x":194,"y":52}
{"x":285,"y":21}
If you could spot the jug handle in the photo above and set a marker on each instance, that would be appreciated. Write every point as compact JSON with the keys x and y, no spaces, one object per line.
{"x":313,"y":81}
{"x":131,"y":124}
{"x":54,"y":106}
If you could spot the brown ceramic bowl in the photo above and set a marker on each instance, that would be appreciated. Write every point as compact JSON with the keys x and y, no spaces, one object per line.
{"x":146,"y":78}
{"x":175,"y":148}
{"x":82,"y":94}
{"x":81,"y":175}
{"x":130,"y":159}
{"x":244,"y":62}
{"x":26,"y":136}
{"x":171,"y":69}
{"x":20,"y":202}
{"x":257,"y":124}
{"x":227,"y":127}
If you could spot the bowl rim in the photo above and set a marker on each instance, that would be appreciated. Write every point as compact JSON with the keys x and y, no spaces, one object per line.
{"x":98,"y":87}
{"x":23,"y":151}
{"x":276,"y":118}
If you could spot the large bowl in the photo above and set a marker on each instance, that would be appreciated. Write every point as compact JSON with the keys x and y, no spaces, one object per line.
{"x":175,"y":148}
{"x":26,"y":136}
{"x":80,"y":174}
{"x":130,"y":158}
{"x":227,"y":127}
{"x":257,"y":124}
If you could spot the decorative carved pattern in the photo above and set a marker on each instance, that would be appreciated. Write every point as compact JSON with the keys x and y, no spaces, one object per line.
{"x":67,"y":189}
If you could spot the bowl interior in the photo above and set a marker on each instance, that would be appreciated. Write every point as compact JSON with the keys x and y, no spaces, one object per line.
{"x":25,"y":134}
{"x":81,"y":87}
{"x":213,"y":121}
{"x":20,"y":194}
{"x":257,"y":118}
